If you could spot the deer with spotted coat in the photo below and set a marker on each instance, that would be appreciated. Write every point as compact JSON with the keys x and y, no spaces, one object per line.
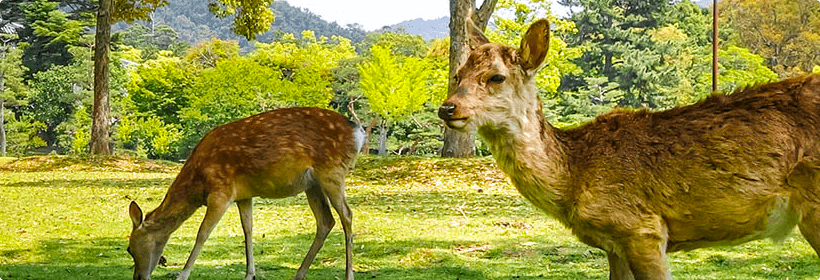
{"x":276,"y":154}
{"x":640,"y":184}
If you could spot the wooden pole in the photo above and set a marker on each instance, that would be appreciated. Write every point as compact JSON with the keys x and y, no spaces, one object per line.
{"x":714,"y":45}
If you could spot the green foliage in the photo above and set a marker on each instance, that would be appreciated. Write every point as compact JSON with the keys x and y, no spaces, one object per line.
{"x":42,"y":51}
{"x":308,"y":53}
{"x":559,"y":61}
{"x":739,"y":68}
{"x":207,"y":54}
{"x":784,"y":32}
{"x":157,"y":87}
{"x":77,"y":133}
{"x":620,"y":48}
{"x":53,"y":99}
{"x":21,"y":134}
{"x":131,"y":10}
{"x":149,"y":134}
{"x":398,"y":43}
{"x":151,"y":42}
{"x":250,"y":16}
{"x":12,"y":71}
{"x":241,"y":87}
{"x":395,"y":89}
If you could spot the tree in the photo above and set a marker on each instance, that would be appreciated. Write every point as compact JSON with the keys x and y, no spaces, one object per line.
{"x":619,"y":48}
{"x":251,"y":17}
{"x":395,"y":89}
{"x":43,"y":50}
{"x":53,"y":99}
{"x":559,"y":61}
{"x":785,"y":32}
{"x":399,"y":43}
{"x":462,"y":144}
{"x":157,"y":87}
{"x":11,"y":80}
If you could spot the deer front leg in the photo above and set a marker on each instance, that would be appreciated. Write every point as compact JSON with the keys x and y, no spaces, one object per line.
{"x":336,"y":195}
{"x":324,"y":223}
{"x":810,"y":228}
{"x":646,"y":256}
{"x":618,"y":267}
{"x":246,"y":217}
{"x":216,"y":208}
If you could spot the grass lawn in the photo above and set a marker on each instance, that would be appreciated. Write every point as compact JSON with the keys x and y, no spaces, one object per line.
{"x":64,"y":218}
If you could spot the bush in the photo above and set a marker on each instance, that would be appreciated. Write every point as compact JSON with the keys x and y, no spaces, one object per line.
{"x":149,"y":134}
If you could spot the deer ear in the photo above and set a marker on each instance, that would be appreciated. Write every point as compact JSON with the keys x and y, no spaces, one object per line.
{"x":136,"y":214}
{"x":477,"y":37}
{"x":534,"y":46}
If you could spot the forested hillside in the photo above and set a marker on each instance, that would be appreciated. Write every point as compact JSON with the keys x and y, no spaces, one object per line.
{"x":195,"y":24}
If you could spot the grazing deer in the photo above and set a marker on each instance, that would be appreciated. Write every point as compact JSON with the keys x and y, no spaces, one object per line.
{"x":639,"y":184}
{"x":276,"y":154}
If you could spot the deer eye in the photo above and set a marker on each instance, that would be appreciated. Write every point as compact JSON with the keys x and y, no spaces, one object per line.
{"x":497,"y":79}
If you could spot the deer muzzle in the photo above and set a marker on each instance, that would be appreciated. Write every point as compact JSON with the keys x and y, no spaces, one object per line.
{"x":446,"y":113}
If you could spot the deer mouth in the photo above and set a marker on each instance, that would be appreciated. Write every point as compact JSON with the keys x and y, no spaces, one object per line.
{"x":457,"y":124}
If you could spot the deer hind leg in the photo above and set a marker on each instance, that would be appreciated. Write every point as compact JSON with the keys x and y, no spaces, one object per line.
{"x":246,"y":217}
{"x":334,"y":189}
{"x":805,"y":179}
{"x":217,"y":205}
{"x":324,"y":223}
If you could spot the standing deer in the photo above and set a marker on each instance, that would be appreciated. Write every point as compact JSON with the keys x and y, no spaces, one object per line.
{"x":276,"y":154}
{"x":639,"y":184}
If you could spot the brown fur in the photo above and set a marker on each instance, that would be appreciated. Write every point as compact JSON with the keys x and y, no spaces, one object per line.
{"x":275,"y":154}
{"x":638,"y":184}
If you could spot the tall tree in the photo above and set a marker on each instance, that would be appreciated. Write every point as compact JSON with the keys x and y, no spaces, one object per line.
{"x":395,"y":89}
{"x":785,"y":32}
{"x":462,"y":144}
{"x":251,"y":17}
{"x":619,"y":48}
{"x":43,"y":50}
{"x":11,"y":80}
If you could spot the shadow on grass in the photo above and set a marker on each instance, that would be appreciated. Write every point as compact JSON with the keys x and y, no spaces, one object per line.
{"x":410,"y":259}
{"x":94,"y":183}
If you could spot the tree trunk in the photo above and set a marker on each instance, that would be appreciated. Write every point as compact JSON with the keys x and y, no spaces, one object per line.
{"x":383,"y":139}
{"x":100,"y":144}
{"x":367,"y":132}
{"x":2,"y":120}
{"x":462,"y":144}
{"x":2,"y":104}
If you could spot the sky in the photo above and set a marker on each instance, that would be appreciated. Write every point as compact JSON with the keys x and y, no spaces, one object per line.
{"x":374,"y":14}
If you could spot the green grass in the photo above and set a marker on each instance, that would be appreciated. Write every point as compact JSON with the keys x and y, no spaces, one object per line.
{"x":413,"y":219}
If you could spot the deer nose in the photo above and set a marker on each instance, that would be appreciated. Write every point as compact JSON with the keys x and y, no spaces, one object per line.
{"x":445,"y":112}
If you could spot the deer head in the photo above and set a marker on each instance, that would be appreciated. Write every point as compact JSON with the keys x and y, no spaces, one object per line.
{"x":496,"y":84}
{"x":144,"y":246}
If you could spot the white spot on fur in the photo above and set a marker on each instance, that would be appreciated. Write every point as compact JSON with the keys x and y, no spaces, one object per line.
{"x":358,"y":135}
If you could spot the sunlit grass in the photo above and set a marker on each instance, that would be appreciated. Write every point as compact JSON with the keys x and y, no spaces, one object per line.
{"x":413,"y":219}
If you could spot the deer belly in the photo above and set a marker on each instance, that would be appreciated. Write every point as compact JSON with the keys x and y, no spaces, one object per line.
{"x":713,"y":229}
{"x":283,"y":182}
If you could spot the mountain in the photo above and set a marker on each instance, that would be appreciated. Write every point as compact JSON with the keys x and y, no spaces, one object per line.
{"x":428,"y":29}
{"x":194,"y":23}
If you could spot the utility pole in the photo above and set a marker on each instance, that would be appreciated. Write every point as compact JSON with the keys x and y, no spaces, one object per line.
{"x":714,"y":45}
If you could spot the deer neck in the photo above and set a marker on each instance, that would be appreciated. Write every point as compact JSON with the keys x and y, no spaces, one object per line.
{"x":529,"y":151}
{"x":175,"y":208}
